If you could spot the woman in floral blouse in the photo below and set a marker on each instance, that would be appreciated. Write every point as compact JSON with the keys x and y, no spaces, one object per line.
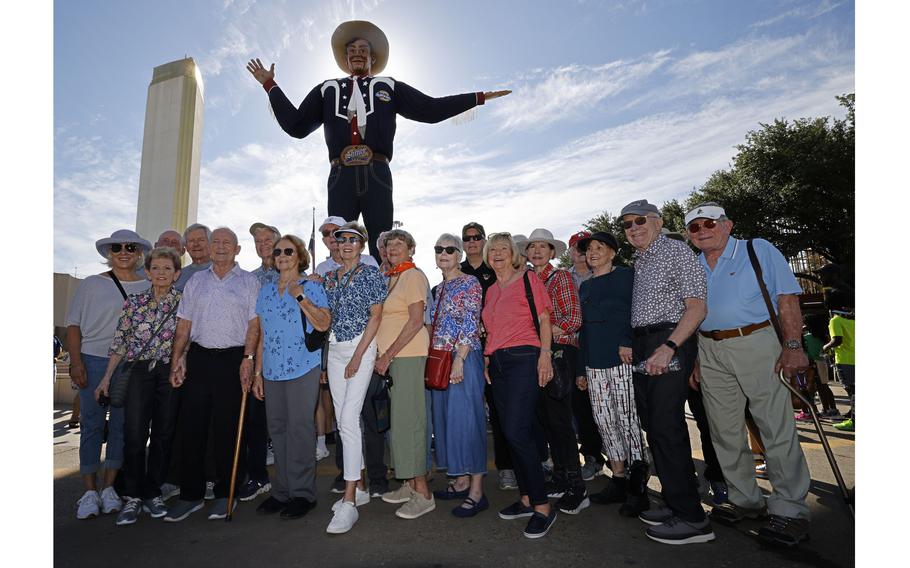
{"x":459,"y":422}
{"x":355,"y":292}
{"x":145,"y":336}
{"x":291,"y":373}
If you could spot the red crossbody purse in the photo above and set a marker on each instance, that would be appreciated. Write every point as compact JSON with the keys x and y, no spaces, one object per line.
{"x":439,"y":362}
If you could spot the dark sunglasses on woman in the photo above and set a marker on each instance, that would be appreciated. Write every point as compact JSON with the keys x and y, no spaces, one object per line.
{"x":287,"y":252}
{"x":342,"y":240}
{"x":130,"y":247}
{"x":449,"y":250}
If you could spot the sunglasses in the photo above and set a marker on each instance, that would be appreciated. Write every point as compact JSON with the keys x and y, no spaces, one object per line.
{"x":327,"y":233}
{"x":696,"y":226}
{"x":287,"y":252}
{"x":636,"y":221}
{"x":469,"y":238}
{"x":342,"y":240}
{"x":130,"y":247}
{"x":449,"y":250}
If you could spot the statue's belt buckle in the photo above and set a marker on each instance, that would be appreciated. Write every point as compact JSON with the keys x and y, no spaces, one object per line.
{"x":357,"y":155}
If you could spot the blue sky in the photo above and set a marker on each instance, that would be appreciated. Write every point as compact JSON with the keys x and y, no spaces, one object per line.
{"x":612,"y":101}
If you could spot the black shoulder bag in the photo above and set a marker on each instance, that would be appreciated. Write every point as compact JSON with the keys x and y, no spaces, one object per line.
{"x":561,"y":384}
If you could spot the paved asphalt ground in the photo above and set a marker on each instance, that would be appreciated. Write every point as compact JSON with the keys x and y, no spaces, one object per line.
{"x":598,"y":536}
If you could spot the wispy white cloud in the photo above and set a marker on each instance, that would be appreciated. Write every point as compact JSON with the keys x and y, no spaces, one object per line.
{"x":542,"y":97}
{"x":806,"y":11}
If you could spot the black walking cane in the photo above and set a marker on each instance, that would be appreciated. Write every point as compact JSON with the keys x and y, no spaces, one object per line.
{"x":845,"y":493}
{"x":230,"y":503}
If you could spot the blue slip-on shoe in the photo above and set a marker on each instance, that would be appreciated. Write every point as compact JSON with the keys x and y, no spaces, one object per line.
{"x":475,"y":507}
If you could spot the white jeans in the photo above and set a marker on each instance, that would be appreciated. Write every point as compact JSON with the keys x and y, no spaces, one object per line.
{"x":347,"y":397}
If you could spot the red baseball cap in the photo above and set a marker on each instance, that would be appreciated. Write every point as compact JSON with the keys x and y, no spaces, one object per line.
{"x":573,"y":240}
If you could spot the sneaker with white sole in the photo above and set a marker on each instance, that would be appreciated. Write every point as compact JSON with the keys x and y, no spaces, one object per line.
{"x":344,"y":518}
{"x":322,"y":453}
{"x":507,"y":479}
{"x":417,"y":506}
{"x":130,"y":512}
{"x":219,"y":508}
{"x":89,"y":505}
{"x":181,"y":510}
{"x":209,"y":490}
{"x":155,"y":507}
{"x":361,"y":498}
{"x":252,"y":489}
{"x":678,"y":531}
{"x":656,"y":516}
{"x":169,"y":490}
{"x":110,"y":501}
{"x":400,"y":495}
{"x":574,"y":501}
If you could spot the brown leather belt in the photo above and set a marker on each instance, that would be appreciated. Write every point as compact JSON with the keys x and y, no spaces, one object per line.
{"x":721,"y":334}
{"x":376,"y":158}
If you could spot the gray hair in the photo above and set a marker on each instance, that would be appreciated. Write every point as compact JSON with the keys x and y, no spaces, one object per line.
{"x":380,"y":240}
{"x":193,"y":227}
{"x":403,"y":235}
{"x":233,"y":234}
{"x":162,"y":252}
{"x":179,"y":236}
{"x":455,"y":240}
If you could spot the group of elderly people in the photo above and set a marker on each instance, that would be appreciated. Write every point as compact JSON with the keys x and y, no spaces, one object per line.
{"x":517,"y":330}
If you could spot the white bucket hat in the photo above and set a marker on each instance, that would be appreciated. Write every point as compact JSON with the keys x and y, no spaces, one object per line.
{"x":545,"y":236}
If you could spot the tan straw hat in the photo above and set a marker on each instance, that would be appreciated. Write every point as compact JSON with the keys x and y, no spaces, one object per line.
{"x":347,"y":32}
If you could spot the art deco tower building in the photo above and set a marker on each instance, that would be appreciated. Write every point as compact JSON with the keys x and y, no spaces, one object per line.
{"x":171,"y":150}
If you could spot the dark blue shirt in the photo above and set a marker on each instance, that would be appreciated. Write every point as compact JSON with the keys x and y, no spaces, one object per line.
{"x":606,"y":311}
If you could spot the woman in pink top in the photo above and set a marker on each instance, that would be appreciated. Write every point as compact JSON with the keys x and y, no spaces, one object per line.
{"x":517,"y":360}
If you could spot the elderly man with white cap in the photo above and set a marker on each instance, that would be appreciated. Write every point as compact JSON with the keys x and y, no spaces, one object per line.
{"x":555,"y":405}
{"x":333,"y":262}
{"x":91,"y":321}
{"x":740,"y":356}
{"x":668,"y":303}
{"x":357,"y":113}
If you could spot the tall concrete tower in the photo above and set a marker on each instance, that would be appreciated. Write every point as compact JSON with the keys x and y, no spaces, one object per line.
{"x":171,"y":149}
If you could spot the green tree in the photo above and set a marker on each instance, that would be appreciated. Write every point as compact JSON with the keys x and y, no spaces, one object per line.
{"x":793,"y":184}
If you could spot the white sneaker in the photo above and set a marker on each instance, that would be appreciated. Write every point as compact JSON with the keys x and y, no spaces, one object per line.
{"x":361,"y":498}
{"x":88,"y":505}
{"x":110,"y":501}
{"x":344,"y":518}
{"x":209,"y":490}
{"x":322,"y":453}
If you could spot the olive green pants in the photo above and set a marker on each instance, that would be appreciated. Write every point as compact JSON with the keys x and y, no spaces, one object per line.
{"x":408,"y":435}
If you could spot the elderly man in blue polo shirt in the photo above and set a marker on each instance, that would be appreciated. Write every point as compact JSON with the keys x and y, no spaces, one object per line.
{"x":740,"y":356}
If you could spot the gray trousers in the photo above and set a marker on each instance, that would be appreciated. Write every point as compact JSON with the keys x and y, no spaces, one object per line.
{"x":290,"y":408}
{"x":741,"y":369}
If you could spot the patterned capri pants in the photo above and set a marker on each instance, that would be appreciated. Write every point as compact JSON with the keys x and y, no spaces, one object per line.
{"x":613,"y":404}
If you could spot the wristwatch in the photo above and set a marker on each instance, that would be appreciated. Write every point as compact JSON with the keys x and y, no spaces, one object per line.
{"x":300,"y":298}
{"x":251,"y":357}
{"x":672,"y":345}
{"x":793,"y":344}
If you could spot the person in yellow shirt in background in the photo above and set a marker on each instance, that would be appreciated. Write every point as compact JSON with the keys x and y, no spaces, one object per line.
{"x":842,"y":329}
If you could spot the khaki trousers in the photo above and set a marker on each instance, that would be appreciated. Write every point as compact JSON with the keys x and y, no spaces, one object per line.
{"x":736,"y":370}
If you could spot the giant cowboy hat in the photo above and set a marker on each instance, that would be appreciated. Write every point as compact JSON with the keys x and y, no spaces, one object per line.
{"x":347,"y":32}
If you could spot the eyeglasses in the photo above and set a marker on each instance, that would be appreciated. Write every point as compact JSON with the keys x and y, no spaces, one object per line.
{"x":342,"y":240}
{"x":469,"y":238}
{"x":130,"y":247}
{"x":695,"y":226}
{"x":327,"y":233}
{"x":449,"y":250}
{"x":287,"y":252}
{"x":637,"y":221}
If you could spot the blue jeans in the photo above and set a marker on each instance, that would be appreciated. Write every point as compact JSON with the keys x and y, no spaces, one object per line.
{"x":91,"y":426}
{"x":513,"y":373}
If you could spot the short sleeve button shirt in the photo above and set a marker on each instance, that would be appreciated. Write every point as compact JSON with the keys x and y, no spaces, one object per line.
{"x":350,"y":298}
{"x":734,"y":298}
{"x":266,"y":276}
{"x":666,"y":273}
{"x":220,"y":308}
{"x":284,"y":352}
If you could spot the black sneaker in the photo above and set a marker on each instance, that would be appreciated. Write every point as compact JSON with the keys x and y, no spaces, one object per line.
{"x":574,"y":501}
{"x":730,"y":514}
{"x":614,"y":492}
{"x":553,"y":489}
{"x":678,"y":531}
{"x":252,"y":489}
{"x":788,"y":531}
{"x":656,"y":516}
{"x":271,"y":506}
{"x":297,"y":508}
{"x":377,"y":489}
{"x":516,"y":511}
{"x":539,"y":524}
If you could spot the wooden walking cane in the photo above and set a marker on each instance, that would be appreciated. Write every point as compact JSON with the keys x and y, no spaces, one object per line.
{"x":230,"y":503}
